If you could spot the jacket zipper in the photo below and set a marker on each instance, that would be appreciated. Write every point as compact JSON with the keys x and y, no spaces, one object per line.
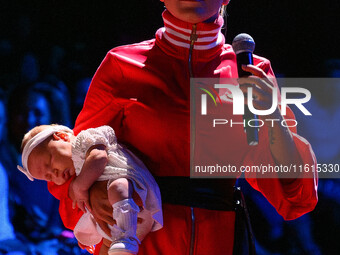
{"x":193,"y":39}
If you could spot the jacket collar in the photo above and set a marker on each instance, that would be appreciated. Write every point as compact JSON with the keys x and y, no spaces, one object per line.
{"x":176,"y":36}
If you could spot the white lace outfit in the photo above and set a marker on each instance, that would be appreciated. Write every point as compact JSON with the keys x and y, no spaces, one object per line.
{"x":122,"y":163}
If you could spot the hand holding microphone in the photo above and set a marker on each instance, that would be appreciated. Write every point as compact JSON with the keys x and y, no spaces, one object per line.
{"x":244,"y":45}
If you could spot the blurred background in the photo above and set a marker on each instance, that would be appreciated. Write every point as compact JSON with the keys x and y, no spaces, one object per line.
{"x":49,"y":51}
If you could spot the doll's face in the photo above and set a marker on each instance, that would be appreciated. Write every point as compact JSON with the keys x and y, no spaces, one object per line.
{"x":194,"y":11}
{"x":52,"y":159}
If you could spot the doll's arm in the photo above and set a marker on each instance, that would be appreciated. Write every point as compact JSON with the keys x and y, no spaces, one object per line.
{"x":93,"y":168}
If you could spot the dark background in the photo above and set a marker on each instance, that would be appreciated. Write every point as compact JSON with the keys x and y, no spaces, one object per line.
{"x":297,"y":36}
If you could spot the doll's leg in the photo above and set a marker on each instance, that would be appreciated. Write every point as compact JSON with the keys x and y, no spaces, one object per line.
{"x":119,"y":190}
{"x":125,"y":212}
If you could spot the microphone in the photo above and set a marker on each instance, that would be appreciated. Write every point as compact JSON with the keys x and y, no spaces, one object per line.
{"x":244,"y":45}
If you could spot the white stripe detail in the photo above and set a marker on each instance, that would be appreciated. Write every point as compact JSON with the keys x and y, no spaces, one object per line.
{"x":175,"y":33}
{"x":208,"y":39}
{"x":196,"y":47}
{"x":177,"y":43}
{"x":199,"y":40}
{"x":177,"y":27}
{"x":209,"y":46}
{"x":188,"y":31}
{"x":215,"y":31}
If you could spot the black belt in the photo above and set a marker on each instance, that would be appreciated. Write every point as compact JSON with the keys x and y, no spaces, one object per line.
{"x":212,"y":194}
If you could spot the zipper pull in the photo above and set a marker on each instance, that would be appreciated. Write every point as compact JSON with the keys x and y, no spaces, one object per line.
{"x":193,"y":39}
{"x":193,"y":36}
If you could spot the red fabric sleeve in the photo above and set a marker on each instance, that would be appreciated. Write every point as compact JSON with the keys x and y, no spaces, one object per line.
{"x":293,"y":199}
{"x":100,"y":106}
{"x":290,"y":200}
{"x":68,"y":215}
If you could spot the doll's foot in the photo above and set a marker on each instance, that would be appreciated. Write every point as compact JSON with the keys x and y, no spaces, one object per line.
{"x":128,"y":245}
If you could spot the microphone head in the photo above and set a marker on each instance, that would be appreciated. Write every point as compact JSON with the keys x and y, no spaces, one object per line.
{"x":243,"y":43}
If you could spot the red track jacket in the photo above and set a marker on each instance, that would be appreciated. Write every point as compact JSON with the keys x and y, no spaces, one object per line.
{"x":142,"y":90}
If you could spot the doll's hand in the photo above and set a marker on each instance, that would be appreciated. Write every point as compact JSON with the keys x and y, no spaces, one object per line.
{"x":81,"y":197}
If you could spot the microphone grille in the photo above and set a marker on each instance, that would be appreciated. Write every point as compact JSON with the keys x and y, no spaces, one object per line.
{"x":243,"y":43}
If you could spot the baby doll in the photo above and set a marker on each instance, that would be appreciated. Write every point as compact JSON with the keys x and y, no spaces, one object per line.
{"x":53,"y":153}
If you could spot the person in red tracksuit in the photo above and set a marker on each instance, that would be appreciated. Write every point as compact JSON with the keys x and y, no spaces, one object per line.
{"x":143,"y":91}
